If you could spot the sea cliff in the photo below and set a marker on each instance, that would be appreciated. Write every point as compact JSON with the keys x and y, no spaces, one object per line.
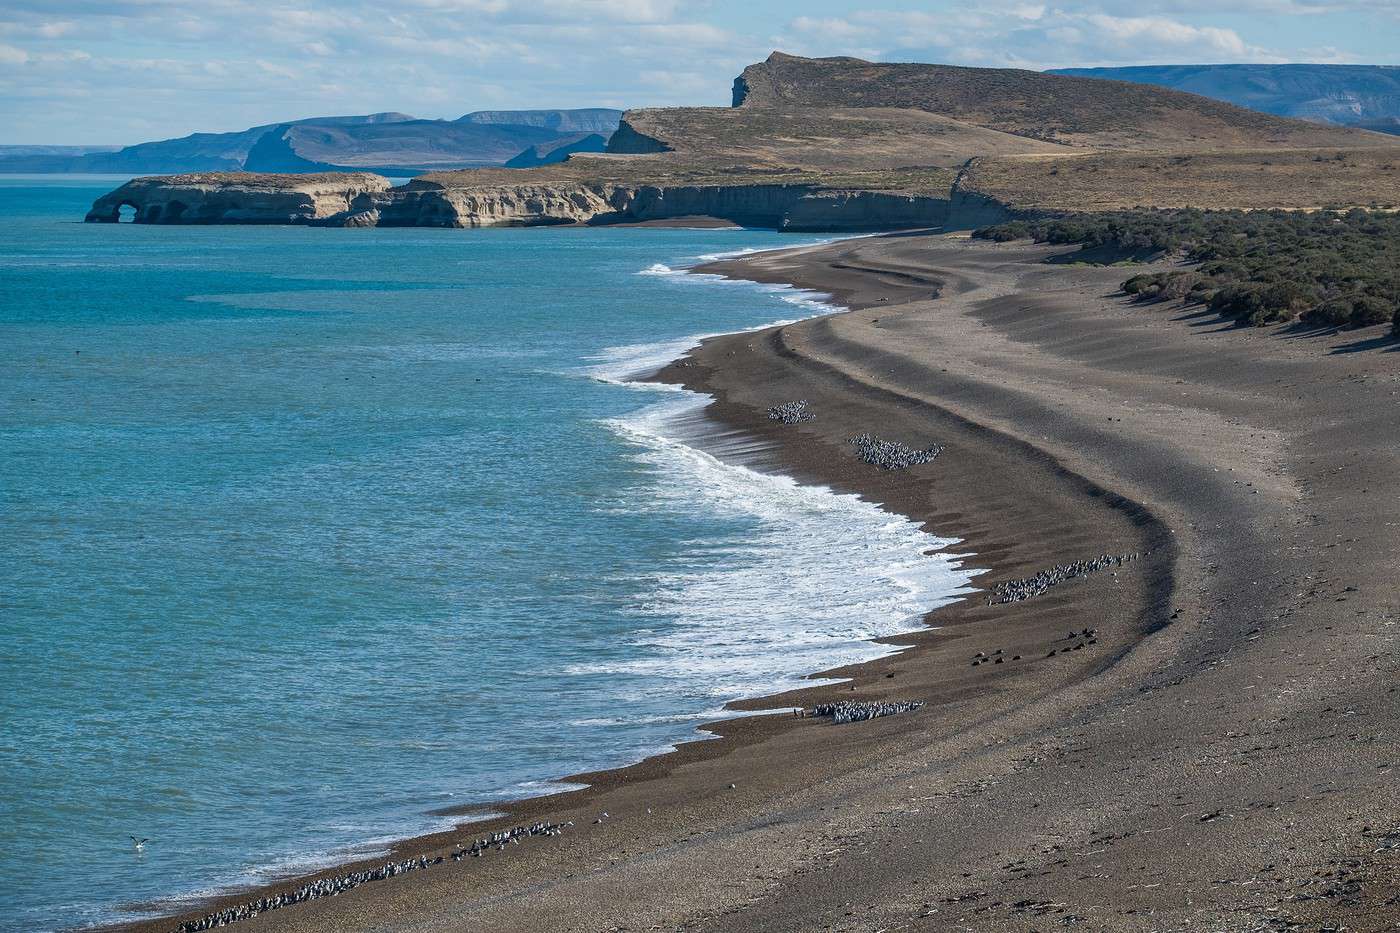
{"x":236,"y":198}
{"x":362,"y":200}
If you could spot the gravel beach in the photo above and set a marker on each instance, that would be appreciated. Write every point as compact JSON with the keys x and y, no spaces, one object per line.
{"x":1200,"y":737}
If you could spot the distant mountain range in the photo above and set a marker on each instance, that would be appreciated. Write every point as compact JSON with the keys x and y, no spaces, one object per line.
{"x":393,"y":143}
{"x":53,"y":150}
{"x":1367,"y":96}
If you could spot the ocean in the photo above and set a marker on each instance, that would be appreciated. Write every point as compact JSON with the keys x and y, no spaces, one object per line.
{"x":308,"y":534}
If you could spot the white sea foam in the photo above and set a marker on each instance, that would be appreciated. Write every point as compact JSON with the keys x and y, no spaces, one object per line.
{"x":732,"y":254}
{"x":713,"y":714}
{"x":624,"y":365}
{"x":813,"y":576}
{"x":806,"y":244}
{"x":661,"y":268}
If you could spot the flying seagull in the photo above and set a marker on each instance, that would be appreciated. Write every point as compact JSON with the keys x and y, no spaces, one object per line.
{"x":138,"y":844}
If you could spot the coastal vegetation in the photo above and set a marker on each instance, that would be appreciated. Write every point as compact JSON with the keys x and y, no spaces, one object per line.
{"x":1252,"y":179}
{"x":1325,"y":268}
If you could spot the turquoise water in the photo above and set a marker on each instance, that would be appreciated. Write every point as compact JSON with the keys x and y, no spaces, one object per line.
{"x":306,"y":534}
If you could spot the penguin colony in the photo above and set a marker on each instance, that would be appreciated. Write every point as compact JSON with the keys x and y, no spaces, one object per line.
{"x":859,"y":711}
{"x":791,"y":412}
{"x":892,"y":455}
{"x":1013,"y":591}
{"x":330,"y":887}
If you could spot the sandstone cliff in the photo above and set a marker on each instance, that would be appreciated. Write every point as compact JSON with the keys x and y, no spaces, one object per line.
{"x":236,"y":198}
{"x":358,"y":200}
{"x":430,"y":204}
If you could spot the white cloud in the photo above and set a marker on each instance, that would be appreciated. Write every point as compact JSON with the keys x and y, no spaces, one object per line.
{"x":462,"y":6}
{"x":1277,"y":7}
{"x":685,"y":33}
{"x":833,"y":27}
{"x":1002,"y":33}
{"x":9,"y":55}
{"x":87,"y":70}
{"x":627,"y":11}
{"x":1143,"y":33}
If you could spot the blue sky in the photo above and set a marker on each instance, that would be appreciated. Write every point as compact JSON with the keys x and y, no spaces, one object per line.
{"x":124,"y":71}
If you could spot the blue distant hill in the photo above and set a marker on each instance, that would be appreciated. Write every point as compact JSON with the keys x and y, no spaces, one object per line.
{"x":1352,"y":95}
{"x":383,"y":142}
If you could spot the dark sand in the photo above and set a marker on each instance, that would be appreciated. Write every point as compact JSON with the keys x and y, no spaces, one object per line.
{"x":1222,"y":757}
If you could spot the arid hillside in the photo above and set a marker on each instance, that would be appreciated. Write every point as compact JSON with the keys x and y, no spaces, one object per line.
{"x":1072,"y":111}
{"x":1027,"y":140}
{"x":829,"y":139}
{"x":1303,"y":179}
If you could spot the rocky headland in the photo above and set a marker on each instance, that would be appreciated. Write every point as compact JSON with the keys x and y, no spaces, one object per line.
{"x":236,"y":198}
{"x":845,"y":145}
{"x":361,"y":200}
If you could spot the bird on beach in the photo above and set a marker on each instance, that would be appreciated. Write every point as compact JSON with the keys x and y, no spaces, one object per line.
{"x":139,"y":844}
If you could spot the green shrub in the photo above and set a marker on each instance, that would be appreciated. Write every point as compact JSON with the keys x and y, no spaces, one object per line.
{"x":1176,"y":285}
{"x":1340,"y":268}
{"x":1236,"y":300}
{"x":1351,"y":311}
{"x":1367,"y":310}
{"x":1004,"y":233}
{"x":1335,"y":312}
{"x":1137,"y":283}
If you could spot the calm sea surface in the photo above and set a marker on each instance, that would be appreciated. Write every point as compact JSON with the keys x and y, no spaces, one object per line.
{"x":305,"y":534}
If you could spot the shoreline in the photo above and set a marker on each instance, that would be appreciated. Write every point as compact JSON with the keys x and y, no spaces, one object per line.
{"x":1210,"y":755}
{"x":486,"y":817}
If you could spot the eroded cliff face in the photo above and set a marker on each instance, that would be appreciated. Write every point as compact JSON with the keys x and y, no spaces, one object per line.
{"x":425,"y":204}
{"x":368,"y":201}
{"x":835,"y":210}
{"x":236,"y":198}
{"x":783,"y":207}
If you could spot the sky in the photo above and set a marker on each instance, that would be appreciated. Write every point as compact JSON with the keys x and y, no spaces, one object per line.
{"x":81,"y":72}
